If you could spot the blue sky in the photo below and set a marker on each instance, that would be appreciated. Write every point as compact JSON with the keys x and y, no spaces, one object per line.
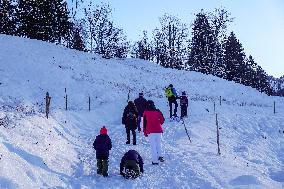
{"x":258,"y":24}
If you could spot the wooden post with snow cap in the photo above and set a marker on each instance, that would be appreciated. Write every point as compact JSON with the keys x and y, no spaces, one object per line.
{"x":218,"y":135}
{"x":47,"y":104}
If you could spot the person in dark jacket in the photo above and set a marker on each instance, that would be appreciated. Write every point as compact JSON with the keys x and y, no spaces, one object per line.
{"x":141,"y":104}
{"x":183,"y":105}
{"x":172,"y":96}
{"x":102,"y":145}
{"x":129,"y":119}
{"x":131,"y":165}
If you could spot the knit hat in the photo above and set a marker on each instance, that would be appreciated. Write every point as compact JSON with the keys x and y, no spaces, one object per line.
{"x":141,"y":94}
{"x":183,"y":93}
{"x":103,"y":131}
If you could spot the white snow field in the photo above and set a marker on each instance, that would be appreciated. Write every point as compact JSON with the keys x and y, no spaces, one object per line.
{"x":36,"y":152}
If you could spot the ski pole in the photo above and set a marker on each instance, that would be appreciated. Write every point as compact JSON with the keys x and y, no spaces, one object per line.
{"x":186,"y":129}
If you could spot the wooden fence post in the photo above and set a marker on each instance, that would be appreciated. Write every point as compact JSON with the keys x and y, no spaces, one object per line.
{"x":89,"y":103}
{"x":66,"y":100}
{"x":218,"y":135}
{"x":274,"y":108}
{"x":220,"y":100}
{"x":214,"y":107}
{"x":47,"y":104}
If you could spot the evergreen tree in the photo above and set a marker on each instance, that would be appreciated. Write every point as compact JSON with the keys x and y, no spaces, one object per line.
{"x":43,"y":20}
{"x":7,"y":19}
{"x":219,"y":20}
{"x":234,"y":59}
{"x":202,"y":45}
{"x":77,"y":40}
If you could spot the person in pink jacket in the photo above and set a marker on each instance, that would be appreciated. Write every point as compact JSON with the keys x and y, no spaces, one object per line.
{"x":152,"y":127}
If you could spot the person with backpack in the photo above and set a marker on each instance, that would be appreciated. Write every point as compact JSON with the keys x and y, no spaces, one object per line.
{"x":129,"y":119}
{"x":183,"y":105}
{"x":141,"y":104}
{"x":172,"y":96}
{"x":102,"y":145}
{"x":131,"y":165}
{"x":152,"y":127}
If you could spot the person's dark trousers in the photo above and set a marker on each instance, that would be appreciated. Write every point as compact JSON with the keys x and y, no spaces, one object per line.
{"x":102,"y":167}
{"x":139,"y":122}
{"x":128,"y":135}
{"x":172,"y":100}
{"x":183,"y":111}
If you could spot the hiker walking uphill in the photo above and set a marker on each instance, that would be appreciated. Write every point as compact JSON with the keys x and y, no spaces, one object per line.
{"x":152,"y":127}
{"x":183,"y":105}
{"x":131,"y":165}
{"x":102,"y":145}
{"x":129,"y":119}
{"x":172,"y":98}
{"x":141,"y":104}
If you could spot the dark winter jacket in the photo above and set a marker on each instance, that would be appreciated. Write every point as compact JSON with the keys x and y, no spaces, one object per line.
{"x":132,"y":155}
{"x":130,"y":116}
{"x":102,"y":145}
{"x":141,"y":104}
{"x":183,"y":101}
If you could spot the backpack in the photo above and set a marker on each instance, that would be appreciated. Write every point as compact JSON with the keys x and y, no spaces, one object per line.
{"x":169,"y":92}
{"x":131,"y":170}
{"x":131,"y":116}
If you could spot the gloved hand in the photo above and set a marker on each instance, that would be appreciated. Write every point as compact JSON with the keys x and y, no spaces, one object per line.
{"x":145,"y":135}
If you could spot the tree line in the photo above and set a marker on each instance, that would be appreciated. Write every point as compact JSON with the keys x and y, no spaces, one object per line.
{"x":205,"y":47}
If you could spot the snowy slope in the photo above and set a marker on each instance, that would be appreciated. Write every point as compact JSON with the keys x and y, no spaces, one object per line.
{"x":36,"y":152}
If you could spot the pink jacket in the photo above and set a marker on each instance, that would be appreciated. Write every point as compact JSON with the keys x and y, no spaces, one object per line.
{"x":152,"y":121}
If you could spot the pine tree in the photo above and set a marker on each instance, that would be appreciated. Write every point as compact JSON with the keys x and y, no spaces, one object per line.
{"x":7,"y":19}
{"x":202,"y":45}
{"x":234,"y":59}
{"x":219,"y":20}
{"x":43,"y":20}
{"x":77,"y":41}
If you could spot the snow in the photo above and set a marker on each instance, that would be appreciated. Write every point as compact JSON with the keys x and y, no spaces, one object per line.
{"x":36,"y":152}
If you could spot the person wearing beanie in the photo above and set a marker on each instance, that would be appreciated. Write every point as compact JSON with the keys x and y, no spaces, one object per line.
{"x":152,"y":127}
{"x":129,"y":119}
{"x":183,"y":105}
{"x":141,"y":104}
{"x":102,"y":145}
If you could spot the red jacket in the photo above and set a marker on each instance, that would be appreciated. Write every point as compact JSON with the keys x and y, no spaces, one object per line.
{"x":152,"y":121}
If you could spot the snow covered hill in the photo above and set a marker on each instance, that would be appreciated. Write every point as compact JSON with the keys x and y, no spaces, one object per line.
{"x":36,"y":152}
